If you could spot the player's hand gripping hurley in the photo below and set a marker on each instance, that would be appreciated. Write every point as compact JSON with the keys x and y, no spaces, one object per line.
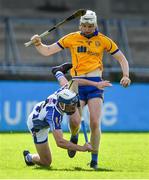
{"x":76,"y":14}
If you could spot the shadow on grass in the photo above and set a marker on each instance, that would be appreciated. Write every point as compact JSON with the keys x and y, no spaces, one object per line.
{"x":70,"y":169}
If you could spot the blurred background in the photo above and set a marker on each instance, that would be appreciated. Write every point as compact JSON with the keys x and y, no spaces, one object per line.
{"x":25,"y":75}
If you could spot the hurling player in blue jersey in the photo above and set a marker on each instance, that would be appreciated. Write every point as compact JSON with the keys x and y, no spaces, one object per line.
{"x":47,"y":115}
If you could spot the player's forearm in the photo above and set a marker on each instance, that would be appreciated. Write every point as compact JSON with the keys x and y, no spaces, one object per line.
{"x":43,"y":49}
{"x":123,"y":62}
{"x":125,"y":67}
{"x":48,"y":50}
{"x":69,"y":145}
{"x":85,"y":82}
{"x":99,"y":85}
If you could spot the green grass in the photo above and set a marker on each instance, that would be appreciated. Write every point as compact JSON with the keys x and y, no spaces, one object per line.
{"x":122,"y":155}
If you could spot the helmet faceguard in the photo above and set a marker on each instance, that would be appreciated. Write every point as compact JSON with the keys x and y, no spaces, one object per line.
{"x":67,"y":101}
{"x":90,"y":18}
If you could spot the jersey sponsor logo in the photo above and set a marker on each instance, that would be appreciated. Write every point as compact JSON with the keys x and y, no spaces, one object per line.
{"x":81,"y":49}
{"x":93,"y":53}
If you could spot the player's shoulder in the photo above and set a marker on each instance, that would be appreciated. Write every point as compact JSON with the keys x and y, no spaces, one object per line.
{"x":102,"y":36}
{"x":73,"y":34}
{"x":104,"y":39}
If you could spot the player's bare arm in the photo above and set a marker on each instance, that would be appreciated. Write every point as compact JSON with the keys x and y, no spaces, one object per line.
{"x":43,"y":49}
{"x":85,"y":82}
{"x":62,"y":143}
{"x":99,"y":85}
{"x":119,"y":56}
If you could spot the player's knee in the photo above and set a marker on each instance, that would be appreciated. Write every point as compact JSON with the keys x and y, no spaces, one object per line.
{"x":46,"y":162}
{"x":75,"y":119}
{"x":75,"y":122}
{"x":94,"y":125}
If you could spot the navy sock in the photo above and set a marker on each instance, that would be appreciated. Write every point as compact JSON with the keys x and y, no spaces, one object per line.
{"x":94,"y":157}
{"x":75,"y":136}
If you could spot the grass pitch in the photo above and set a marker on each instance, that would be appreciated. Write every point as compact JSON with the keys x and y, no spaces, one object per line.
{"x":122,"y":155}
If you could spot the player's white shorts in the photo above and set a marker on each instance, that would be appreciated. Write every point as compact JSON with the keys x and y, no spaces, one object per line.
{"x":42,"y":119}
{"x":39,"y":137}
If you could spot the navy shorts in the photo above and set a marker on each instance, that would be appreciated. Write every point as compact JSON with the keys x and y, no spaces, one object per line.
{"x":89,"y":92}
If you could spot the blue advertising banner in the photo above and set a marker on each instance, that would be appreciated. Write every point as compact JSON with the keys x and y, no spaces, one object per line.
{"x":124,"y":109}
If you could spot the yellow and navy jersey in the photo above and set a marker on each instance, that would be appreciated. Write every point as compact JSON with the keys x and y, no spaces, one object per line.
{"x":87,"y":54}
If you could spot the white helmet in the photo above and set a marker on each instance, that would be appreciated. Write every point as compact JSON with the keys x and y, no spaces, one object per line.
{"x":67,"y":101}
{"x":90,"y":17}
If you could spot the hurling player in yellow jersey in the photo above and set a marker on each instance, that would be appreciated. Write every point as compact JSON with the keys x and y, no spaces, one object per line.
{"x":87,"y":47}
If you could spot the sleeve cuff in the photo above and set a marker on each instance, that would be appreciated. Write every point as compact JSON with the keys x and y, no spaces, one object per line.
{"x":115,"y":52}
{"x":60,"y":45}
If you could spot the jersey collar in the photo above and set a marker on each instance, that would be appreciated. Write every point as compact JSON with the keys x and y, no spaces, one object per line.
{"x":90,"y":35}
